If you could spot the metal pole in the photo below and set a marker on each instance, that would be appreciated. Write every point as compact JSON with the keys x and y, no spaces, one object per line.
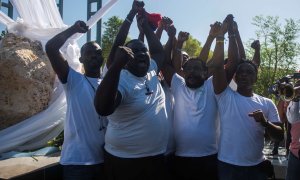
{"x":91,"y":13}
{"x":9,"y":7}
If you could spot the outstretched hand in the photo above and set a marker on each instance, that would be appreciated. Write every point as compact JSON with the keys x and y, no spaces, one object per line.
{"x":80,"y":27}
{"x":258,"y":117}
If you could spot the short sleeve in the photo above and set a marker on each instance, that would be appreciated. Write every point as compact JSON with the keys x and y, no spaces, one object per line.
{"x":273,"y":115}
{"x":72,"y":80}
{"x":176,"y":82}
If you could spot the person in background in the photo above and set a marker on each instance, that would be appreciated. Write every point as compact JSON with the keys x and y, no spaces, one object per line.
{"x":293,"y":116}
{"x":82,"y":150}
{"x":282,"y":109}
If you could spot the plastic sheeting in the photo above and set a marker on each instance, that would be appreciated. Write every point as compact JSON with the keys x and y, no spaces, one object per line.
{"x":40,"y":20}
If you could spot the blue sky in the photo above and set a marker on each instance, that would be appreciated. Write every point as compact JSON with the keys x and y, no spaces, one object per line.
{"x":195,"y":16}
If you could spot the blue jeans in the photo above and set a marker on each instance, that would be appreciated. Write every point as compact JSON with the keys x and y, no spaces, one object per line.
{"x":234,"y":172}
{"x":83,"y":172}
{"x":293,"y":169}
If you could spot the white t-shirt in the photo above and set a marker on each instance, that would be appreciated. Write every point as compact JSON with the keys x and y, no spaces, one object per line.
{"x":293,"y":112}
{"x":196,"y":125}
{"x":170,"y":114}
{"x":83,"y":141}
{"x":138,"y":127}
{"x":242,"y":138}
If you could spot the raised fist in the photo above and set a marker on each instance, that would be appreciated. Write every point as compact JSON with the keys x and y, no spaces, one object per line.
{"x":165,"y":23}
{"x":183,"y":36}
{"x":137,"y":6}
{"x":215,"y":29}
{"x":80,"y":27}
{"x":255,"y":44}
{"x":171,"y":31}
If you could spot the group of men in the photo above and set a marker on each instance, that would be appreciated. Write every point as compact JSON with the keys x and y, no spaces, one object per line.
{"x":169,"y":116}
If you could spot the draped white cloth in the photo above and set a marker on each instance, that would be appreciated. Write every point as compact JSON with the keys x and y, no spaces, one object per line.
{"x":40,"y":20}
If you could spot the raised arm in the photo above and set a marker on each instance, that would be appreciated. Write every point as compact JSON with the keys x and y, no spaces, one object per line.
{"x":233,"y":53}
{"x":256,"y":58}
{"x":167,"y":70}
{"x":163,"y":25}
{"x":241,"y":48}
{"x":214,"y":30}
{"x":107,"y":97}
{"x":59,"y":64}
{"x":216,"y":64}
{"x":177,"y":58}
{"x":155,"y":47}
{"x":141,"y":34}
{"x":123,"y":31}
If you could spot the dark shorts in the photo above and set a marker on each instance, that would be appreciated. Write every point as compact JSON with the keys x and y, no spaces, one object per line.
{"x":83,"y":172}
{"x":196,"y":168}
{"x":145,"y":168}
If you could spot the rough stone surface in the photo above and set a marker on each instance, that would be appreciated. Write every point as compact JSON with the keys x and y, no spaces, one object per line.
{"x":26,"y":79}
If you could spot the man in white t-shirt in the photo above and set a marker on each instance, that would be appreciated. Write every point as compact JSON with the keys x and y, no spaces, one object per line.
{"x":244,"y":119}
{"x":82,"y":154}
{"x":196,"y":126}
{"x":133,"y":99}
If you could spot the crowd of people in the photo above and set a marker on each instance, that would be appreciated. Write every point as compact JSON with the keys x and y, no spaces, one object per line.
{"x":158,"y":113}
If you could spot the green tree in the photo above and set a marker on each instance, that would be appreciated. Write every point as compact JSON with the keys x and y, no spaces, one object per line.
{"x":111,"y":28}
{"x":279,"y":50}
{"x":192,"y":46}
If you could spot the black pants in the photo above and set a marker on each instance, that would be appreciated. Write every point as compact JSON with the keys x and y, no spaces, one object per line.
{"x":196,"y":168}
{"x":145,"y":168}
{"x":83,"y":172}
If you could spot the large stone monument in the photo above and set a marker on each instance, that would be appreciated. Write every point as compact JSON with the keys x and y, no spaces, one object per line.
{"x":26,"y":79}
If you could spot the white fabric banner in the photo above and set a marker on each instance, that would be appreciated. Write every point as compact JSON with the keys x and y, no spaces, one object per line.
{"x":40,"y":20}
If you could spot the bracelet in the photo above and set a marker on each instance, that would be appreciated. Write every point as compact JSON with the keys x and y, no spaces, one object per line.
{"x":128,"y":20}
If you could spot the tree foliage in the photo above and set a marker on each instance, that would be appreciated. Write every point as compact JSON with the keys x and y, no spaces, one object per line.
{"x":279,"y":50}
{"x":111,"y":28}
{"x":192,"y":46}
